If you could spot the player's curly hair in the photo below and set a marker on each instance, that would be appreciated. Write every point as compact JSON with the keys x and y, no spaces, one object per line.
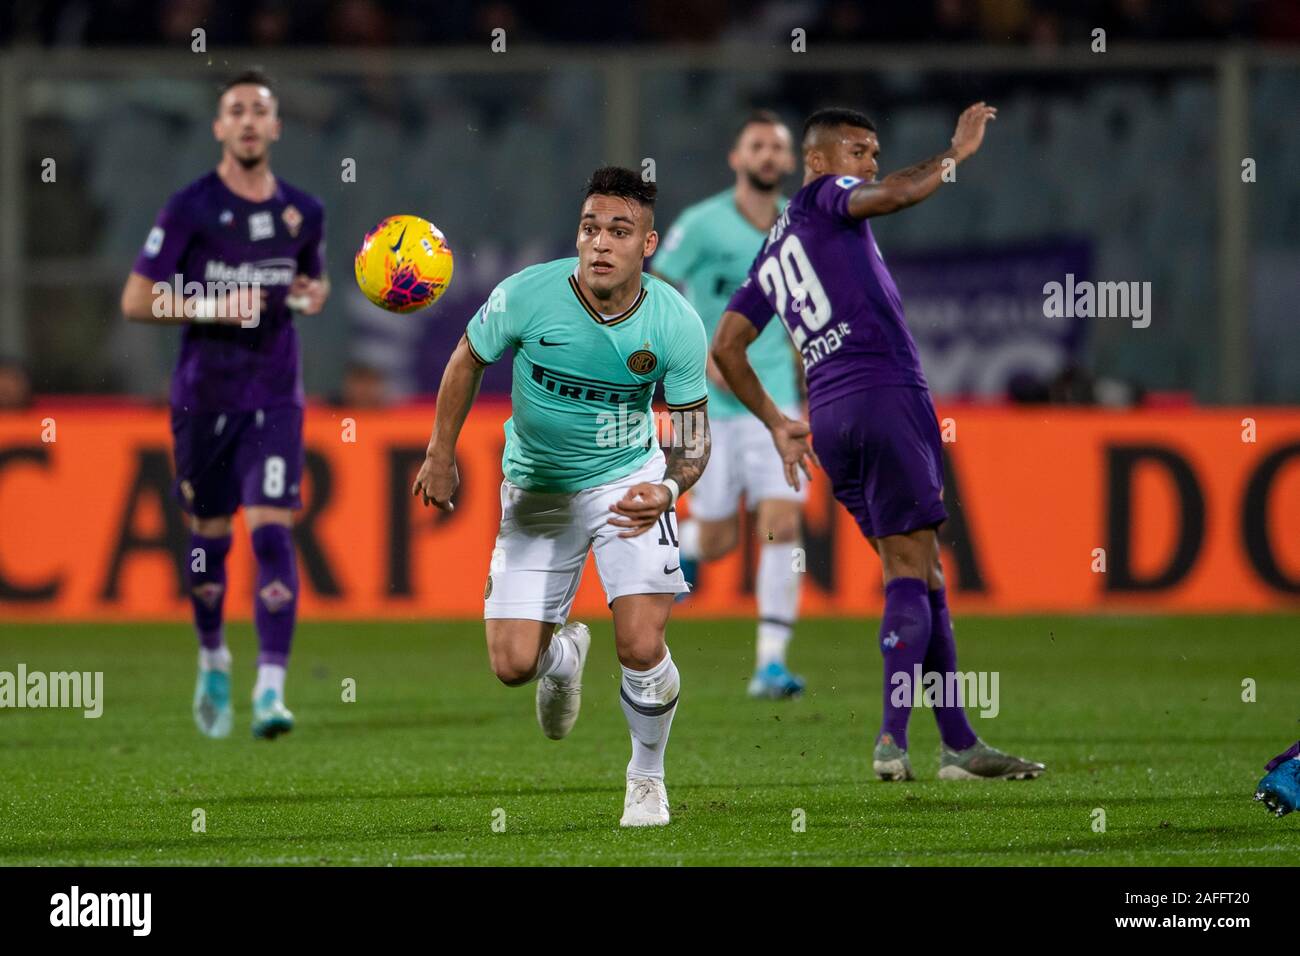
{"x":624,"y":183}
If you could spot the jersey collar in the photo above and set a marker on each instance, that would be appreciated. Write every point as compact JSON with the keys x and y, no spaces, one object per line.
{"x":600,"y":319}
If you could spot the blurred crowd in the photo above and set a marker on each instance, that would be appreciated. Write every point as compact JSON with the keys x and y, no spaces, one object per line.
{"x":273,"y":23}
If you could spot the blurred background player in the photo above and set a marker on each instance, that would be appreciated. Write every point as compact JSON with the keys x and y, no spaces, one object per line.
{"x":15,"y":384}
{"x":1280,"y":788}
{"x":591,"y":338}
{"x":236,"y":395}
{"x":873,"y":424}
{"x":708,"y":252}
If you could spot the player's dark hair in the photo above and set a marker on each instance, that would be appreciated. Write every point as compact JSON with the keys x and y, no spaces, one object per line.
{"x":756,"y":118}
{"x":624,"y":183}
{"x":834,"y":116}
{"x":254,"y":75}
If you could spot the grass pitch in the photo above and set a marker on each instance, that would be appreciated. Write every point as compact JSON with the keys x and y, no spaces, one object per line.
{"x":1142,"y":718}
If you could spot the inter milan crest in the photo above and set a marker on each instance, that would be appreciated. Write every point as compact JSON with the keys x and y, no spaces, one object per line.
{"x":642,"y":362}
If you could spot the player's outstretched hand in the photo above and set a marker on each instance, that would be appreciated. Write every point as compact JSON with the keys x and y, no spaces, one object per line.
{"x":793,"y":440}
{"x":970,"y":128}
{"x":306,"y":295}
{"x":640,"y":508}
{"x":437,"y":482}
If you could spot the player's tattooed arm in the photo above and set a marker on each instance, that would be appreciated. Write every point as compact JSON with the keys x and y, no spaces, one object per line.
{"x":438,"y":478}
{"x":691,"y":447}
{"x":909,"y":186}
{"x":641,"y":505}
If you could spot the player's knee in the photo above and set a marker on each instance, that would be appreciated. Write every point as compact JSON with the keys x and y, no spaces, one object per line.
{"x":781,"y":529}
{"x":717,"y":540}
{"x":642,"y":653}
{"x":512,"y":666}
{"x":261,"y":516}
{"x":219,"y":527}
{"x":512,"y":674}
{"x":906,"y":556}
{"x":715,"y":549}
{"x":902,"y":564}
{"x":936,"y":566}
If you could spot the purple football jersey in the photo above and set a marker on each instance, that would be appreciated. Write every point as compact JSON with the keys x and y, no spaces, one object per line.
{"x":207,"y":234}
{"x":821,"y":271}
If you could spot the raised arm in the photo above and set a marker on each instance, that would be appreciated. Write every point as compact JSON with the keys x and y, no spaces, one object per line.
{"x":909,"y":186}
{"x":438,"y":478}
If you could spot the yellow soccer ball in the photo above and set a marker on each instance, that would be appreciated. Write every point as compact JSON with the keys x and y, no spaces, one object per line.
{"x":404,"y":264}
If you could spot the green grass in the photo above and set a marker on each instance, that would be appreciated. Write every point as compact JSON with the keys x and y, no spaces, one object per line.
{"x":1141,"y":717}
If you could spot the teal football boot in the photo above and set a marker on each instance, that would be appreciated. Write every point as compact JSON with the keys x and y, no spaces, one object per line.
{"x":212,"y":711}
{"x":270,"y":717}
{"x":774,"y":682}
{"x":1279,"y":791}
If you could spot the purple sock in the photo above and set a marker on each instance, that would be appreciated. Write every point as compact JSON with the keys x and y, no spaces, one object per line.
{"x":275,"y":604}
{"x":954,"y":729}
{"x":1282,"y":758}
{"x":904,"y":636}
{"x":208,"y":587}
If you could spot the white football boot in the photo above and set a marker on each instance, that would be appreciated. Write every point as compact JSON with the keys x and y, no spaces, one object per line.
{"x":646,"y":803}
{"x":558,"y":702}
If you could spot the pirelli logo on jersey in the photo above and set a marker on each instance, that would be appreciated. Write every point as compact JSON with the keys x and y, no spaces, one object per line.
{"x":590,"y":389}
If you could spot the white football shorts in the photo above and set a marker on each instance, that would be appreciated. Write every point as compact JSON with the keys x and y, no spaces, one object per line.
{"x":543,"y":542}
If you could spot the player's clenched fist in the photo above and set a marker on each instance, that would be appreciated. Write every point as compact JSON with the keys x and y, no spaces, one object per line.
{"x":307,"y":295}
{"x":970,"y":128}
{"x":243,"y":305}
{"x":640,"y":508}
{"x":437,"y":482}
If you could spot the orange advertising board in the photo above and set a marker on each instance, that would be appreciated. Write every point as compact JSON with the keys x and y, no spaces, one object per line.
{"x":1053,"y":509}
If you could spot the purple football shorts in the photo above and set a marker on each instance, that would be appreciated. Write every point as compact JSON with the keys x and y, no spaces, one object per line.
{"x":228,"y":459}
{"x":880,"y":447}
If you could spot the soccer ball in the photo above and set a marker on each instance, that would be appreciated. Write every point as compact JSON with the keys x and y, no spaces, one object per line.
{"x":404,"y":264}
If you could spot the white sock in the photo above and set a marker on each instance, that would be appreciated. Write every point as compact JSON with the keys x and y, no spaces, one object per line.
{"x":218,"y":660}
{"x":269,"y":675}
{"x":649,"y":700}
{"x":688,"y":539}
{"x":778,"y":601}
{"x":560,"y":659}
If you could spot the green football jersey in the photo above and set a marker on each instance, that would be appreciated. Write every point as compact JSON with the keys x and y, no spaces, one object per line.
{"x":583,"y":382}
{"x":709,"y":250}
